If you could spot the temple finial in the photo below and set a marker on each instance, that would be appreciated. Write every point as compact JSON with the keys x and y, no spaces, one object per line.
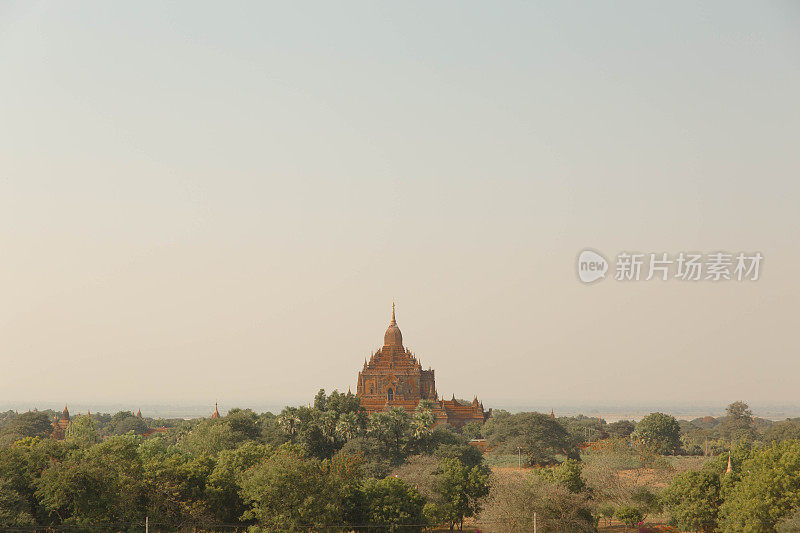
{"x":394,"y":322}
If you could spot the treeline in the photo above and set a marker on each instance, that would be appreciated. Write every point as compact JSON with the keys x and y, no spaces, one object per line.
{"x":330,"y":467}
{"x":15,"y":426}
{"x":316,"y":467}
{"x":760,"y":493}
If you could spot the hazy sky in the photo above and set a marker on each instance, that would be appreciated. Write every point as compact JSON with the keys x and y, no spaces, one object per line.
{"x":204,"y":201}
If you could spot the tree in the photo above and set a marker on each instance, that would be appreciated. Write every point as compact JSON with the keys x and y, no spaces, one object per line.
{"x":616,"y":470}
{"x":348,"y":426}
{"x":513,"y":500}
{"x":628,"y":515}
{"x":118,"y":417}
{"x":210,"y":437}
{"x":784,"y":430}
{"x":222,"y":487}
{"x":17,"y":504}
{"x":607,"y":511}
{"x":81,"y":431}
{"x":372,"y":452}
{"x":391,"y":503}
{"x":739,"y":424}
{"x":290,"y":492}
{"x":739,"y":411}
{"x":621,"y":428}
{"x":130,"y":423}
{"x":325,"y":428}
{"x":244,"y":424}
{"x":30,"y":424}
{"x":659,"y":433}
{"x":567,"y":474}
{"x":540,"y":437}
{"x":459,"y":490}
{"x":646,"y":501}
{"x":469,"y":455}
{"x":98,"y":485}
{"x":320,"y":400}
{"x":423,"y":420}
{"x":393,"y":430}
{"x":584,"y":428}
{"x":767,"y":491}
{"x":693,"y":500}
{"x":472,"y":430}
{"x":174,"y":484}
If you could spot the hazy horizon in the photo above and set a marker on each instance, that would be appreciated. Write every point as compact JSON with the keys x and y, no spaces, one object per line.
{"x":610,"y":413}
{"x":202,"y":202}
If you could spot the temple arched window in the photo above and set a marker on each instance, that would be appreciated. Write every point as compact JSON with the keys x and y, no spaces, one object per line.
{"x":390,"y":394}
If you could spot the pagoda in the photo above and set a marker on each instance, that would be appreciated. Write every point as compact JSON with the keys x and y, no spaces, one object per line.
{"x":394,"y":377}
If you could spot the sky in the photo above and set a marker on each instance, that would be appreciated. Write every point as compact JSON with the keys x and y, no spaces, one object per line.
{"x":208,"y":202}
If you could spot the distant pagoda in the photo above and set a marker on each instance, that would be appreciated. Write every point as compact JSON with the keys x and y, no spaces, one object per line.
{"x":393,"y":377}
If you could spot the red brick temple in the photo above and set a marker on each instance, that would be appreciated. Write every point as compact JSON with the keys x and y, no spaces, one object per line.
{"x":394,"y":377}
{"x":61,"y":424}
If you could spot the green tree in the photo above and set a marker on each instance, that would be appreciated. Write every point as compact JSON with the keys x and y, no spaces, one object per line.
{"x":540,"y":437}
{"x":290,"y":492}
{"x":628,"y":515}
{"x":118,"y":417}
{"x":606,"y":511}
{"x":376,"y":463}
{"x":17,"y":504}
{"x":81,"y":431}
{"x":469,"y":455}
{"x":320,"y":400}
{"x":784,"y":430}
{"x":739,"y":411}
{"x":513,"y":500}
{"x":393,"y":430}
{"x":222,"y":487}
{"x":621,"y":428}
{"x":738,"y":425}
{"x":98,"y":485}
{"x":174,"y":484}
{"x":568,"y":474}
{"x":30,"y":424}
{"x":348,"y":426}
{"x":211,"y":436}
{"x":423,"y":421}
{"x":768,"y":489}
{"x":134,"y":424}
{"x":693,"y":500}
{"x":460,"y":490}
{"x":244,"y":424}
{"x":659,"y":433}
{"x":472,"y":430}
{"x":646,"y":501}
{"x":584,"y":428}
{"x":391,"y":504}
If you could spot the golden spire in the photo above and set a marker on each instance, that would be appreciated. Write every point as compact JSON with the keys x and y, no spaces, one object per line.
{"x":394,"y":322}
{"x":730,"y":468}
